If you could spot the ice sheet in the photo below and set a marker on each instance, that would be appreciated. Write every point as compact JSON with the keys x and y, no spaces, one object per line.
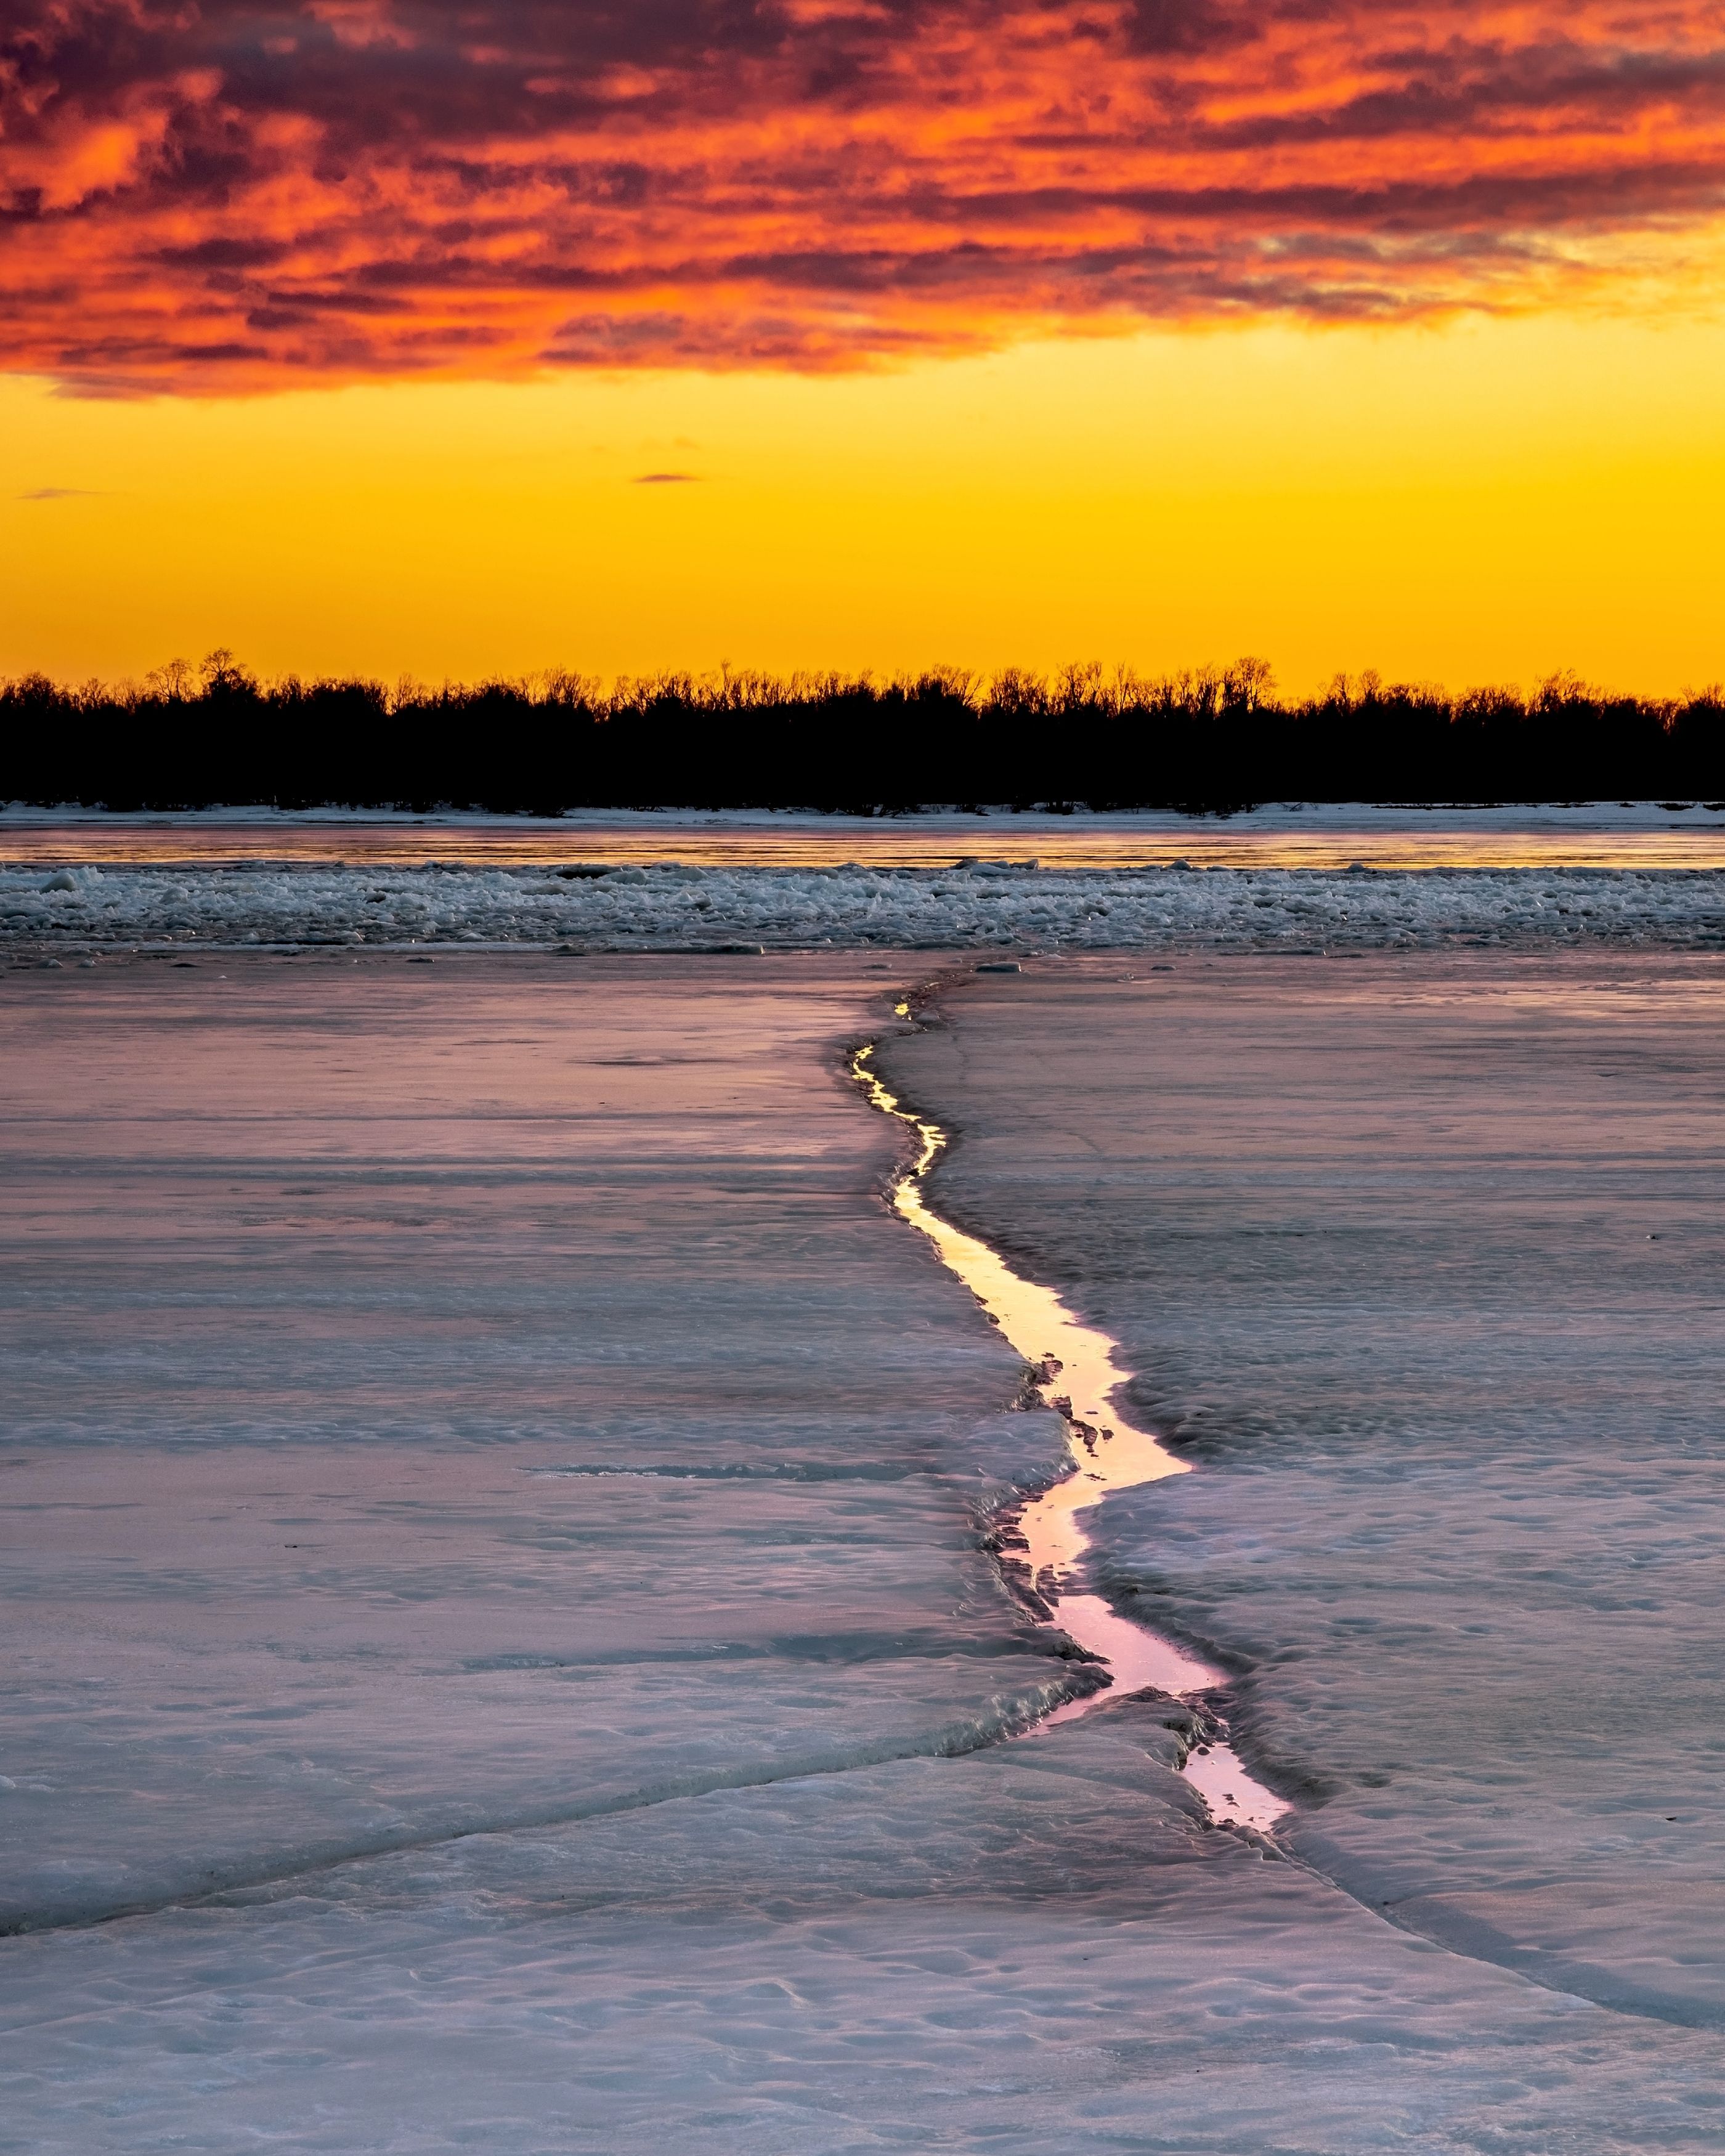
{"x":461,"y":1411}
{"x":1029,"y":1949}
{"x":1420,"y":1260}
{"x":1604,"y":833}
{"x":432,"y":1407}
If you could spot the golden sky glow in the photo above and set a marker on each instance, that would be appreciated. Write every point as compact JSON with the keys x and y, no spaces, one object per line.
{"x":408,"y":335}
{"x":1481,"y":501}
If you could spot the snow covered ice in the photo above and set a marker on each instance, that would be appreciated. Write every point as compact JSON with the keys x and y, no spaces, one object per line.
{"x":497,"y":1587}
{"x":1271,"y":880}
{"x":434,"y":1407}
{"x":679,"y":906}
{"x":1422,"y":1260}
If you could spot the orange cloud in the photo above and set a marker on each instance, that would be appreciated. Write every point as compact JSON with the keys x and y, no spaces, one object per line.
{"x":240,"y":196}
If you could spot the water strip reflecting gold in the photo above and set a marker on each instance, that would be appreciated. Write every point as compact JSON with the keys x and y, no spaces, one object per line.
{"x":1076,"y":1374}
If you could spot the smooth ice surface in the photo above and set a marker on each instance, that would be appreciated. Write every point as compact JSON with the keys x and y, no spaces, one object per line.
{"x":1421,"y":1261}
{"x":435,"y":1403}
{"x":480,"y":1438}
{"x":1285,"y":835}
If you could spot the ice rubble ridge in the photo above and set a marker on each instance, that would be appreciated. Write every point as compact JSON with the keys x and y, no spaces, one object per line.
{"x":982,"y":903}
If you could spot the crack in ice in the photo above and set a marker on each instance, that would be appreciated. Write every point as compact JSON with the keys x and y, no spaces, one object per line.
{"x":1004,"y":1716}
{"x":1044,"y":1541}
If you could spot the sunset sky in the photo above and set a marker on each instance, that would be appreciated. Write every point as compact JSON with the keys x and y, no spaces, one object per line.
{"x":447,"y":339}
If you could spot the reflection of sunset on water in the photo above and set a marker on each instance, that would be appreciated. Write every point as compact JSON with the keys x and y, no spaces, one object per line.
{"x":1693,"y":837}
{"x":1076,"y":1374}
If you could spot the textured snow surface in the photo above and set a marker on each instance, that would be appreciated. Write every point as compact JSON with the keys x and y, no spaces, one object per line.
{"x":1422,"y":1260}
{"x":982,"y":904}
{"x":1028,"y":1949}
{"x":495,"y":1587}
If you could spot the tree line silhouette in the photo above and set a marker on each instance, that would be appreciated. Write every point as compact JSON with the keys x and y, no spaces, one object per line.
{"x":1213,"y":738}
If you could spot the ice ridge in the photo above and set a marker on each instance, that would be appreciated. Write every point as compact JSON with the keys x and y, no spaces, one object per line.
{"x":674,"y":906}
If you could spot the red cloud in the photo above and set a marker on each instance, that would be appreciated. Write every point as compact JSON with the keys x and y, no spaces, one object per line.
{"x":243,"y":196}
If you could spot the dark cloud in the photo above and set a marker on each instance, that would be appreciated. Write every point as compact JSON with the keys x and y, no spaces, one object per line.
{"x":210,"y":197}
{"x":665,"y":479}
{"x":1184,"y":26}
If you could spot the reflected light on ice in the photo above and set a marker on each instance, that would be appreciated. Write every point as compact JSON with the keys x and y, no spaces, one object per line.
{"x":1635,"y":836}
{"x":1076,"y":1374}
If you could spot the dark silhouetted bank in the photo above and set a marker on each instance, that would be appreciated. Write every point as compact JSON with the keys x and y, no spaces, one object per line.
{"x":1213,"y":739}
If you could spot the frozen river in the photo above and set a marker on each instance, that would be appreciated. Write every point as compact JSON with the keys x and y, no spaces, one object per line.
{"x":1420,"y":1262}
{"x":505,"y":1652}
{"x":1644,"y":834}
{"x":1030,"y":886}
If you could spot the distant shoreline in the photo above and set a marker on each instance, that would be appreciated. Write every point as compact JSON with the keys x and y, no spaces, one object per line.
{"x":1214,"y":741}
